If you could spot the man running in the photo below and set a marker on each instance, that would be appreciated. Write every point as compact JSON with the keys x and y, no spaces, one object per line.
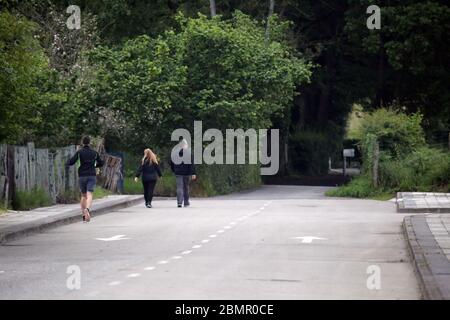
{"x":89,"y":160}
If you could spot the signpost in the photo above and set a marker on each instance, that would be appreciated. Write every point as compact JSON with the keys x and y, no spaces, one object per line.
{"x":347,"y":153}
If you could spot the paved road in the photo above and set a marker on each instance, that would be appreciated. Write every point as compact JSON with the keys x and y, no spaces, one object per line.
{"x":240,"y":246}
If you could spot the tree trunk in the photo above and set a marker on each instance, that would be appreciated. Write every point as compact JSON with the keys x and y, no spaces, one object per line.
{"x":271,"y":10}
{"x":212,"y":5}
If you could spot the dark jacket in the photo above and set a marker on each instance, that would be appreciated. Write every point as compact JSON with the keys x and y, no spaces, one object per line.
{"x":183,"y":169}
{"x":149,"y":171}
{"x":89,"y":160}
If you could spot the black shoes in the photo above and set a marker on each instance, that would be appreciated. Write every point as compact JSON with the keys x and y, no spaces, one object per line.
{"x":179,"y":206}
{"x":148,"y":205}
{"x":86,"y":215}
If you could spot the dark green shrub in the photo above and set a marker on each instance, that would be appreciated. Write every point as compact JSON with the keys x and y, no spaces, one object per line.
{"x":360,"y":187}
{"x":309,"y":151}
{"x":212,"y":180}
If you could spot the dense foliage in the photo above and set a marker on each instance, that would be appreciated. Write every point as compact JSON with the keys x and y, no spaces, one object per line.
{"x":406,"y":162}
{"x":138,"y":68}
{"x":220,"y":72}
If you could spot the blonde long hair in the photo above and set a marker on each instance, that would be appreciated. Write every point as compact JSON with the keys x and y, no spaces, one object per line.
{"x":150,"y":156}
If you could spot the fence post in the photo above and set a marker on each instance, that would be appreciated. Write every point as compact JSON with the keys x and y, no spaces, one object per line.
{"x":376,"y":159}
{"x":31,"y":166}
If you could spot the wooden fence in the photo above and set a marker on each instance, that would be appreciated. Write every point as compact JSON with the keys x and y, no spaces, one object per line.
{"x":23,"y":168}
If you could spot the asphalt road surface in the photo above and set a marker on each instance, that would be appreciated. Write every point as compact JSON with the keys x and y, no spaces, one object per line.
{"x":277,"y":242}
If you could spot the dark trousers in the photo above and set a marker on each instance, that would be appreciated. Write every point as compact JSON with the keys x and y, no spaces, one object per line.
{"x":149,"y":187}
{"x":183,"y":189}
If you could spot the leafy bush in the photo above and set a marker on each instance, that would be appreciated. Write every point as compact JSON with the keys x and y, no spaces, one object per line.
{"x":27,"y":200}
{"x":425,"y":169}
{"x":222,"y":179}
{"x":397,"y":133}
{"x":406,"y":163}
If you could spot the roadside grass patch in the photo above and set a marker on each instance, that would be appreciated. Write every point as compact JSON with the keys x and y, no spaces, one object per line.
{"x":101,"y":193}
{"x":28,"y":200}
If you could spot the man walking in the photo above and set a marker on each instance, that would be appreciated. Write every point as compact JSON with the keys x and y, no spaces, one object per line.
{"x":184,"y":172}
{"x":89,"y":161}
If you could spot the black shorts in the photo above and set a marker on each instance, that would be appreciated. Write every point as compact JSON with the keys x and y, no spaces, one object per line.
{"x":87,"y":184}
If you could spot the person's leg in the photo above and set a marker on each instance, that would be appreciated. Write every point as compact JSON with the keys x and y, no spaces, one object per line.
{"x":146,"y":190}
{"x":186,"y":181}
{"x":151,"y":189}
{"x":90,"y":187}
{"x":83,"y":202}
{"x":179,"y":180}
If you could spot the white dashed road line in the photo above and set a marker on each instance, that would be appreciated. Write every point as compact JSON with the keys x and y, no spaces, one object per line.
{"x":186,"y":252}
{"x":133,"y":275}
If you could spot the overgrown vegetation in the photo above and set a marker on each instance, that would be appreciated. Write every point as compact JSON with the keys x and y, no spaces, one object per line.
{"x":27,"y":200}
{"x":406,"y":162}
{"x":138,"y":69}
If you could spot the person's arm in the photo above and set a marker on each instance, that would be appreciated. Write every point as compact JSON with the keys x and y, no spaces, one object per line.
{"x":72,"y":160}
{"x":139,"y":171}
{"x":99,"y":161}
{"x":172,"y":165}
{"x":158,"y":170}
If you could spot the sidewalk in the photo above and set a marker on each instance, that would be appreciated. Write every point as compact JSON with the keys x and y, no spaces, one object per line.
{"x":18,"y":224}
{"x":428,"y":238}
{"x":423,"y":202}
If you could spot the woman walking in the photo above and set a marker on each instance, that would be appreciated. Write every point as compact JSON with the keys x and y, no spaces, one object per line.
{"x":150,"y":171}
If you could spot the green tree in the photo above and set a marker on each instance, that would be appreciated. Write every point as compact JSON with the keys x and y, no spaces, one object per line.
{"x":219,"y":71}
{"x":22,"y":61}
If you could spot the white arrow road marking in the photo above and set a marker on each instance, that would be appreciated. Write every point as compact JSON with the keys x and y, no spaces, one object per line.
{"x":114,"y":238}
{"x":309,"y":239}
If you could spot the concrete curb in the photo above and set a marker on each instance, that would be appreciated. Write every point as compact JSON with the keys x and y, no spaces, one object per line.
{"x":29,"y":227}
{"x":430,"y":264}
